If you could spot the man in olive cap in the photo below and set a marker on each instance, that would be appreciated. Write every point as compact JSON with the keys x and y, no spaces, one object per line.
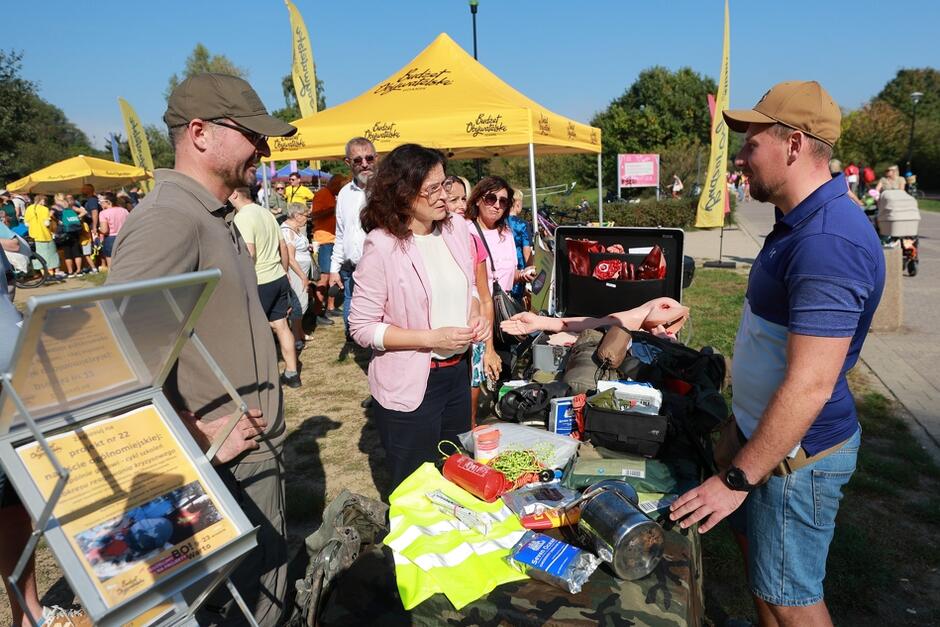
{"x":810,"y":299}
{"x":219,"y":129}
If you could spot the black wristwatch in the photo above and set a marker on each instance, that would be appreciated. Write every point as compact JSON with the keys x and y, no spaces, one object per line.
{"x":735,"y":479}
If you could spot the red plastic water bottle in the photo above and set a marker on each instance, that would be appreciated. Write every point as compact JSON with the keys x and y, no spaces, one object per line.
{"x":478,"y":479}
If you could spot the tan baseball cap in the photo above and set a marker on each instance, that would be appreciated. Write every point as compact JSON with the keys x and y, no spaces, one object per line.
{"x":803,"y":105}
{"x":210,"y":96}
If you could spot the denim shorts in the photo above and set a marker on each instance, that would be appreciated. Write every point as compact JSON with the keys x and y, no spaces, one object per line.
{"x":324,"y":255}
{"x":790,"y":523}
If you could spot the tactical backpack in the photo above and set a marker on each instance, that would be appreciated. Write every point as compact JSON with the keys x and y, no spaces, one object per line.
{"x":691,"y":382}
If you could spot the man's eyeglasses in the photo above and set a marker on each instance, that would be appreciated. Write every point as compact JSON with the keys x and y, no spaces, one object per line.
{"x":359,"y":160}
{"x":257,"y":140}
{"x":435,"y":190}
{"x":490,"y":199}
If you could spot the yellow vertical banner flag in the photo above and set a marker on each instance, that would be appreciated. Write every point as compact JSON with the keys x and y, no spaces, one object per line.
{"x":714,"y":198}
{"x":137,"y":139}
{"x":303,"y":71}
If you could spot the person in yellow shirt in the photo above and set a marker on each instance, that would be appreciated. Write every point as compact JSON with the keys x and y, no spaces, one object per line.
{"x":41,"y":224}
{"x":296,"y":192}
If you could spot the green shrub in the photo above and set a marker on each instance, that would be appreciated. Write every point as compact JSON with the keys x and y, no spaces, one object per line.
{"x":666,"y":213}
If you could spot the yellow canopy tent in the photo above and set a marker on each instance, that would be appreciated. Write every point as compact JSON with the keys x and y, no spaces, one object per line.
{"x":445,"y":99}
{"x":70,"y":174}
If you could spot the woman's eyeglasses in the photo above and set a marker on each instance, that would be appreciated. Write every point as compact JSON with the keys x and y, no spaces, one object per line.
{"x":490,"y":199}
{"x":359,"y":160}
{"x":435,"y":190}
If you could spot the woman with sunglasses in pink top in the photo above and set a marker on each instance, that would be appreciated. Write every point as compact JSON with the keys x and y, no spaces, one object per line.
{"x":488,"y":208}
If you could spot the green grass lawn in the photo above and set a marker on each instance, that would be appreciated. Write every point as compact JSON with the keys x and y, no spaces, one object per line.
{"x":928,"y":205}
{"x":882,"y":567}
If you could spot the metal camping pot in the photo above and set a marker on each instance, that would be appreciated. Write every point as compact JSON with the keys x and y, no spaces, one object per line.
{"x":619,"y":532}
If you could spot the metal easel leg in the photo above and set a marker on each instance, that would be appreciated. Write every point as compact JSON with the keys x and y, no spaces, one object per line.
{"x":46,"y":513}
{"x":224,"y":575}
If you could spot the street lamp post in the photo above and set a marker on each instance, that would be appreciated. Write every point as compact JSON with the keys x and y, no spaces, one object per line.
{"x":473,"y":12}
{"x":474,"y":4}
{"x":915,"y":98}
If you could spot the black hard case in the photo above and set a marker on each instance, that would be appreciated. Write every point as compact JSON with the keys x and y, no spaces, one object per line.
{"x":587,"y":296}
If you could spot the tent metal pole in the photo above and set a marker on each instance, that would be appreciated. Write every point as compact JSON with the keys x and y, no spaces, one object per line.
{"x":535,"y":205}
{"x":600,"y":192}
{"x":264,"y":184}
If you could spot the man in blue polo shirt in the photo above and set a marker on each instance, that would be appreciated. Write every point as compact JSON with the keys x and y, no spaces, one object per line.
{"x":811,"y":296}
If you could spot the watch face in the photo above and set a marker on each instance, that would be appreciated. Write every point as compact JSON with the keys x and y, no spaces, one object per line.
{"x":736,"y":479}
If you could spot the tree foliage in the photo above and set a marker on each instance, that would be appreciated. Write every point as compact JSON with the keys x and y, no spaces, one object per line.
{"x":873,"y":135}
{"x":33,"y":133}
{"x":161,"y":150}
{"x":662,"y":112}
{"x":291,"y":110}
{"x":878,"y":134}
{"x":201,"y":60}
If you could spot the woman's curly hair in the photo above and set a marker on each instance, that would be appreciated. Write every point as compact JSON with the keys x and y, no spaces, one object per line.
{"x":395,"y":185}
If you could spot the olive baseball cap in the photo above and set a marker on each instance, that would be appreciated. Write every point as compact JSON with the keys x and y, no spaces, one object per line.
{"x":210,"y":96}
{"x":803,"y":105}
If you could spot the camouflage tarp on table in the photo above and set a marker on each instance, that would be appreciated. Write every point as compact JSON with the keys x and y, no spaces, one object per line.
{"x":670,"y":595}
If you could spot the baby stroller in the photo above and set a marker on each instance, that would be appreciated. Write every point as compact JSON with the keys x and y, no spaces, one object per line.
{"x":898,"y":220}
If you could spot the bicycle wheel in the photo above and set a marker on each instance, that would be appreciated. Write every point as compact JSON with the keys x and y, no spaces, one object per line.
{"x":33,"y":277}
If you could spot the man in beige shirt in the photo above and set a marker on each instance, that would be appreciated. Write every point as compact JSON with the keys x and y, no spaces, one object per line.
{"x":219,"y":129}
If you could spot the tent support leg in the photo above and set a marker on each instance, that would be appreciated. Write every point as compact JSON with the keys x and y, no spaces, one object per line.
{"x":535,"y":205}
{"x":264,"y":184}
{"x":600,"y":192}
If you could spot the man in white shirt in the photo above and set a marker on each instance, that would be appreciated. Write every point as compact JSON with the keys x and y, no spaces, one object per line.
{"x":347,"y":249}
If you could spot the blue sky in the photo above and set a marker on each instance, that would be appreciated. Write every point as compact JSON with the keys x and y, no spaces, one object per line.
{"x":572,"y":57}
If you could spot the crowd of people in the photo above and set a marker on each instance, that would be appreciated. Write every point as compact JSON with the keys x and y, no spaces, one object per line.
{"x":419,"y":254}
{"x":74,"y":234}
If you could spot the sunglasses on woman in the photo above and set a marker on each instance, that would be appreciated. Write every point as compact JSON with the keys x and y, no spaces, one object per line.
{"x":490,"y":199}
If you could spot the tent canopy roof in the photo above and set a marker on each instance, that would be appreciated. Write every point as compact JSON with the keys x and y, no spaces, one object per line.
{"x":70,"y":174}
{"x":445,"y":99}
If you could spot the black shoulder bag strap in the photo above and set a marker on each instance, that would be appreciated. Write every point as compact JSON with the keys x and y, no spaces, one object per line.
{"x":489,"y":253}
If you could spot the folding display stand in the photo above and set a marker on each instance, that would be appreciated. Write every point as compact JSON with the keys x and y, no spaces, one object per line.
{"x":83,"y":402}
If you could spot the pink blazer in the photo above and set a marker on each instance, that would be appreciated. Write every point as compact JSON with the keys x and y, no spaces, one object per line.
{"x":392,"y":287}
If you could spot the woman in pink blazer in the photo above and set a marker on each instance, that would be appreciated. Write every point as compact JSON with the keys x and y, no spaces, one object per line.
{"x":416,"y":305}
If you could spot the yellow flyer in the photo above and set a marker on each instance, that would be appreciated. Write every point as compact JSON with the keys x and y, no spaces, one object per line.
{"x":135,"y":508}
{"x":77,"y":356}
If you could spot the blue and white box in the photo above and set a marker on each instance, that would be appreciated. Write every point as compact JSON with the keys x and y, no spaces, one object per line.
{"x":561,"y":415}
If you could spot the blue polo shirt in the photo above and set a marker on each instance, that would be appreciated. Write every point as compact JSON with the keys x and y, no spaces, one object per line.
{"x":821,"y":273}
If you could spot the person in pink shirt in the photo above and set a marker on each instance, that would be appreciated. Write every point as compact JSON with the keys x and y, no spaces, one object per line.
{"x":110,"y":220}
{"x":484,"y":361}
{"x":488,"y":212}
{"x":416,"y":306}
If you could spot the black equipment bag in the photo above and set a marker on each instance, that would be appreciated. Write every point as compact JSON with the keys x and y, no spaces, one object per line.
{"x":528,"y":404}
{"x":691,"y":382}
{"x":627,"y":431}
